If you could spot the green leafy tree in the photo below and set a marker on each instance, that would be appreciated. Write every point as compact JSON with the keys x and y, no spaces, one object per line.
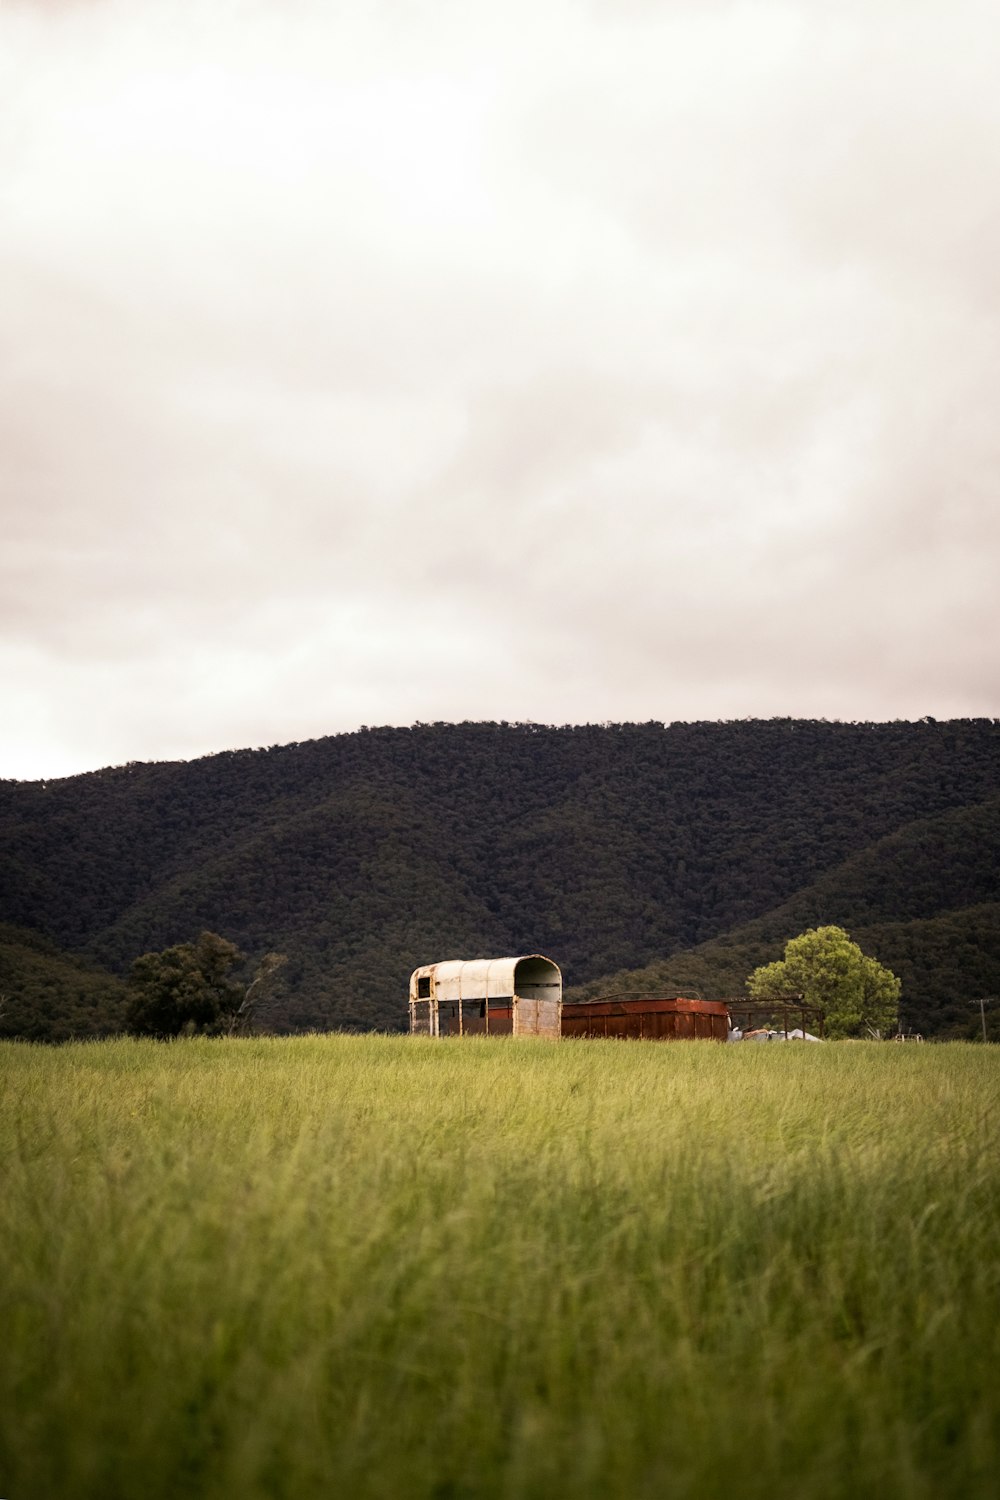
{"x":829,"y":970}
{"x":185,"y":988}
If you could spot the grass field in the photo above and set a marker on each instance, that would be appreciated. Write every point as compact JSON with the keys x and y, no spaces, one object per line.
{"x":384,"y":1267}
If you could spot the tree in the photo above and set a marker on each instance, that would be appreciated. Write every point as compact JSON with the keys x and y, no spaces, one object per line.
{"x":829,"y":970}
{"x":240,"y":1022}
{"x":186,"y":987}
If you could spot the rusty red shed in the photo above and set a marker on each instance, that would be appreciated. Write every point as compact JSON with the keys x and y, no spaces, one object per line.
{"x":666,"y":1018}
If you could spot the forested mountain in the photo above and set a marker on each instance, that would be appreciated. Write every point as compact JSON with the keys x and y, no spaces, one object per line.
{"x":608,"y":847}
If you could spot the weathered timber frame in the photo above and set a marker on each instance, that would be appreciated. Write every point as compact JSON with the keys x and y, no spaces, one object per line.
{"x":790,"y":1010}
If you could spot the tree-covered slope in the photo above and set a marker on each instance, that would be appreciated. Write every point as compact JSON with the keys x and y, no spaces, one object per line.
{"x":944,"y":962}
{"x":48,"y":996}
{"x":924,"y":900}
{"x":930,"y":866}
{"x":363,"y":855}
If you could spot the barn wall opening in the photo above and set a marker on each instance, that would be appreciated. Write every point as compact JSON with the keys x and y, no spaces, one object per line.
{"x":538,"y":1002}
{"x":537,"y":979}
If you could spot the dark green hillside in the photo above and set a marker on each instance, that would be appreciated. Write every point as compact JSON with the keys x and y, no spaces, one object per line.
{"x":925,"y":900}
{"x":945,"y":964}
{"x":48,"y":996}
{"x":607,"y":846}
{"x":930,"y":866}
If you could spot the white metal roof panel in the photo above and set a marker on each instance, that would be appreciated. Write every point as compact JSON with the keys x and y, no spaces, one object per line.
{"x":475,"y":978}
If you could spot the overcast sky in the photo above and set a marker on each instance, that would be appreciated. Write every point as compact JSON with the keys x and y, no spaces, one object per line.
{"x":367,"y":361}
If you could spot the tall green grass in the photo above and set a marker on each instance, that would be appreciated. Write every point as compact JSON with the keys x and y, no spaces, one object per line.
{"x":388,"y":1267}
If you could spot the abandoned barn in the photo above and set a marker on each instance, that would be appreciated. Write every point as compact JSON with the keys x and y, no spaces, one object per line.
{"x":523,"y":997}
{"x":487,"y":996}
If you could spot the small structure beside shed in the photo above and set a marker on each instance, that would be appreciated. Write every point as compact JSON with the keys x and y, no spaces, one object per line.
{"x":666,"y":1018}
{"x":487,"y":997}
{"x":785,"y":1018}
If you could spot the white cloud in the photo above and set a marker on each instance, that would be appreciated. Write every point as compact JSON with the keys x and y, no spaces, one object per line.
{"x":575,"y":362}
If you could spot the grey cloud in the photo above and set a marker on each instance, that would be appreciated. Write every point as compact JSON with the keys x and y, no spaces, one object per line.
{"x":372,"y":365}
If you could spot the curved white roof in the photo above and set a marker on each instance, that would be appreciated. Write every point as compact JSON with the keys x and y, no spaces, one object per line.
{"x":490,"y":978}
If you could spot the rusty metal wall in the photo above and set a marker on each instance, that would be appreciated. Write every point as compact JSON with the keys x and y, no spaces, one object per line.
{"x":517,"y":1017}
{"x":654,"y":1019}
{"x":474,"y":1018}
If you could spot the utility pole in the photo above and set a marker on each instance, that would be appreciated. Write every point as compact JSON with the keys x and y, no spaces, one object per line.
{"x":983,"y":1001}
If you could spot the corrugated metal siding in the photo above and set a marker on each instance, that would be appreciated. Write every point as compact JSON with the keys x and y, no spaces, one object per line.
{"x":664,"y":1020}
